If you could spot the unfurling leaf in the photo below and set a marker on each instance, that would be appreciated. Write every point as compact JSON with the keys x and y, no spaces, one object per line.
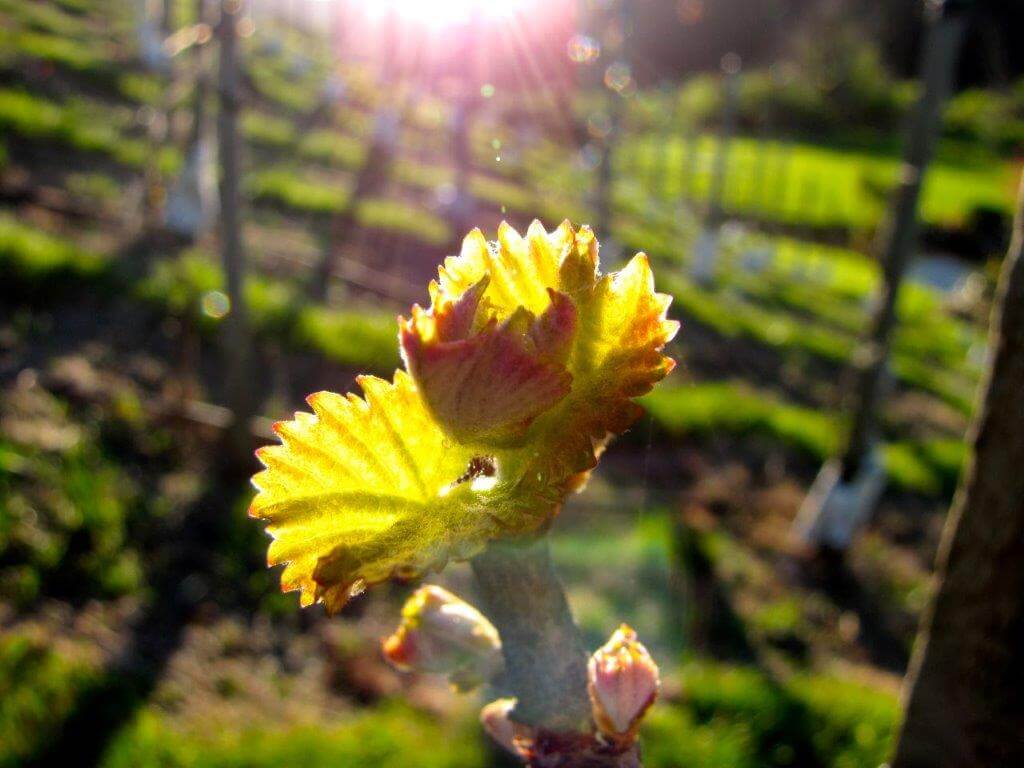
{"x":442,"y":634}
{"x":484,"y":380}
{"x":525,"y":364}
{"x":569,"y":348}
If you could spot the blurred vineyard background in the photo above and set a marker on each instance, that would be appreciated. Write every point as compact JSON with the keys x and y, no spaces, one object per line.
{"x":360,"y":171}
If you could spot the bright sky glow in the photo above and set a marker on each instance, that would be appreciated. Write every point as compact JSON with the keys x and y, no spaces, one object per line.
{"x":440,"y":13}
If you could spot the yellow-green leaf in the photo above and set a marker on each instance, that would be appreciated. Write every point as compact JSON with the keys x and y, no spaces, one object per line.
{"x":363,"y":489}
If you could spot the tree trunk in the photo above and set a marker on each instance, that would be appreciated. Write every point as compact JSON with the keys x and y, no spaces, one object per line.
{"x":965,"y":706}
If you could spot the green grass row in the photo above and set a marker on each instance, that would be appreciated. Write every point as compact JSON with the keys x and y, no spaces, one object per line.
{"x":924,"y":466}
{"x":931,"y":336}
{"x":291,"y":190}
{"x":816,"y":300}
{"x":78,"y":124}
{"x":67,"y":52}
{"x":837,"y":285}
{"x":736,"y":716}
{"x":64,"y":526}
{"x":797,"y":183}
{"x":85,"y":39}
{"x":729,"y":715}
{"x":39,"y":262}
{"x":729,"y":314}
{"x":47,"y":18}
{"x":38,"y":689}
{"x":332,"y":148}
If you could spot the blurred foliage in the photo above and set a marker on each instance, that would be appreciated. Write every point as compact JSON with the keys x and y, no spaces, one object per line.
{"x":41,"y":260}
{"x":304,"y":192}
{"x":837,"y":91}
{"x":359,"y":339}
{"x":404,"y":218}
{"x":756,"y":721}
{"x":332,"y":148}
{"x":38,"y":688}
{"x":59,"y":50}
{"x":928,"y":467}
{"x":44,"y":18}
{"x":391,"y":736}
{"x":79,"y":124}
{"x":65,"y":508}
{"x":284,"y":187}
{"x":276,"y":310}
{"x":724,"y":407}
{"x":272,"y":131}
{"x":141,"y":88}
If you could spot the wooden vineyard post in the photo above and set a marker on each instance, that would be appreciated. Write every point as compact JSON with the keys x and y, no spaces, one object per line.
{"x":731,"y":65}
{"x":615,"y":45}
{"x":236,"y":341}
{"x":375,"y":170}
{"x":192,"y":200}
{"x":705,"y":250}
{"x":460,"y":209}
{"x":149,"y":27}
{"x":604,"y":192}
{"x":848,"y":488}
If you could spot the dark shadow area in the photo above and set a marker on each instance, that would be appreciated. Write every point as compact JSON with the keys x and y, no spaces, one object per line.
{"x":829,"y":571}
{"x":703,"y":608}
{"x":782,"y":725}
{"x":181,"y":579}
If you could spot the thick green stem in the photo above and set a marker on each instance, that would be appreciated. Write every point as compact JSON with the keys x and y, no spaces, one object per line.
{"x":544,"y":656}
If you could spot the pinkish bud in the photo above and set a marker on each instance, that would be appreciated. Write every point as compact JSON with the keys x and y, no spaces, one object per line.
{"x":623,"y":684}
{"x":496,"y":719}
{"x":442,"y":634}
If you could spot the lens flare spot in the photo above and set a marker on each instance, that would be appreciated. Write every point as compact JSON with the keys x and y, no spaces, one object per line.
{"x":619,"y":77}
{"x":583,"y":49}
{"x":215,"y":304}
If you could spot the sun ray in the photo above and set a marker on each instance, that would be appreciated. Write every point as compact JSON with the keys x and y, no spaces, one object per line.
{"x":440,"y":13}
